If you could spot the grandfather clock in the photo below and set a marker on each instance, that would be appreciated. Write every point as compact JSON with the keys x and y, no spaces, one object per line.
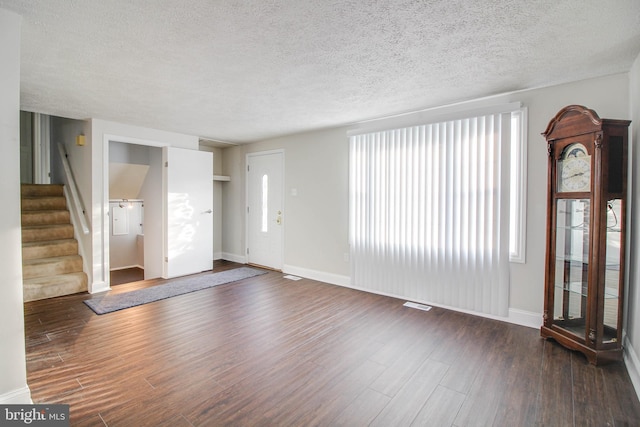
{"x":586,"y":232}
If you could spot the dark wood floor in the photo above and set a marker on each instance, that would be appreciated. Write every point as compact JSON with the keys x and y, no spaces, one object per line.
{"x":271,"y":351}
{"x":126,"y":275}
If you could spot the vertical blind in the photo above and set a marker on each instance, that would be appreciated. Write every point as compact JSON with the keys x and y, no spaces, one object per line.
{"x":429,"y":213}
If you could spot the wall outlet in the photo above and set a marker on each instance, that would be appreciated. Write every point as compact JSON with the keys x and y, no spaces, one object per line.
{"x":345,"y":257}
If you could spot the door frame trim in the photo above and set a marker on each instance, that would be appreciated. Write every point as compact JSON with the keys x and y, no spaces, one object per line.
{"x":280,"y":151}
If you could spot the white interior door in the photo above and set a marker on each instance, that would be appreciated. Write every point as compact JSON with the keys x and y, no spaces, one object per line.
{"x":265,"y":212}
{"x":188,"y":179}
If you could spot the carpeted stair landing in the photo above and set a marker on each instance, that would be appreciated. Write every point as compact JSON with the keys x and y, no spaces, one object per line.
{"x":51,"y":265}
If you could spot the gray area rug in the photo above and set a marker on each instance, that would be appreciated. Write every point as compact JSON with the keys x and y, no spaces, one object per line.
{"x":110,"y":303}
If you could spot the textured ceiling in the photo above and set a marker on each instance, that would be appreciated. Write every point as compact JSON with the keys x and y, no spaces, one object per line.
{"x":241,"y":71}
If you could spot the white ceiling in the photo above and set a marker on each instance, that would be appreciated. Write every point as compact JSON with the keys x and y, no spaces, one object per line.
{"x":241,"y":71}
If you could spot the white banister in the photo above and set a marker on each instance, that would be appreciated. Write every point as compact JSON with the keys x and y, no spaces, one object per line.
{"x":76,"y":203}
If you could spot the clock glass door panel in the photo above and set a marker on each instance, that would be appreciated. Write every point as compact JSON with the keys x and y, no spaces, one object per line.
{"x":572,"y":265}
{"x":612,"y":270}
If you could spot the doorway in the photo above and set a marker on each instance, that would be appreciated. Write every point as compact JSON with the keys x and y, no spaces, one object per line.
{"x":133,"y":180}
{"x":265,"y":209}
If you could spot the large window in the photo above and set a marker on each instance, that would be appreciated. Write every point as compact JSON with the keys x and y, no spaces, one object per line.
{"x":430,"y":210}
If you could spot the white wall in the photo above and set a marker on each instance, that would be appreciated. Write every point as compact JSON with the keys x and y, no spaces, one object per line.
{"x":64,"y":131}
{"x":632,"y":315}
{"x":13,"y":371}
{"x":123,"y":248}
{"x":316,"y":164}
{"x":120,"y":152}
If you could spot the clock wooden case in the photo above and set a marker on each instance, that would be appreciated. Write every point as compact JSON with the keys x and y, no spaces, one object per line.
{"x":586,"y":232}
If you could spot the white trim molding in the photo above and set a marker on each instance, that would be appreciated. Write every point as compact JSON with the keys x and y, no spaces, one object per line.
{"x":432,"y":115}
{"x":518,"y":186}
{"x":632,"y":363}
{"x":100,"y":286}
{"x":15,"y":397}
{"x":321,"y":276}
{"x":525,"y":318}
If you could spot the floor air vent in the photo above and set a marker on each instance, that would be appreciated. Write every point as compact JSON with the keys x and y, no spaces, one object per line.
{"x":418,"y":306}
{"x":290,"y":277}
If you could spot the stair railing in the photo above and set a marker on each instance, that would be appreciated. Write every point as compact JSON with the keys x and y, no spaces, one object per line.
{"x":76,"y":204}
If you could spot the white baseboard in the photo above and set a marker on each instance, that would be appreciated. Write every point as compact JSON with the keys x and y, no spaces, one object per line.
{"x":234,"y":257}
{"x":321,"y":276}
{"x":127,"y":267}
{"x":525,"y":318}
{"x":217,"y":256}
{"x":21,"y":396}
{"x":632,"y":363}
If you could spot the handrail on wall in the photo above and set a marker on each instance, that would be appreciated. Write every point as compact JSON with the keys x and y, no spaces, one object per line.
{"x":73,"y":191}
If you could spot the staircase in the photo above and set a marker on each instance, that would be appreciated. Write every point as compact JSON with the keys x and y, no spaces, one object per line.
{"x":51,"y":265}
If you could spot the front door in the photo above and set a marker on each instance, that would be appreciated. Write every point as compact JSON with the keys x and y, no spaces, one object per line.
{"x":188,"y":196}
{"x":265,"y":210}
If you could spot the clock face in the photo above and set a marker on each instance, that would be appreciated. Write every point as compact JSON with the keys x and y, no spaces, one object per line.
{"x":574,"y":173}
